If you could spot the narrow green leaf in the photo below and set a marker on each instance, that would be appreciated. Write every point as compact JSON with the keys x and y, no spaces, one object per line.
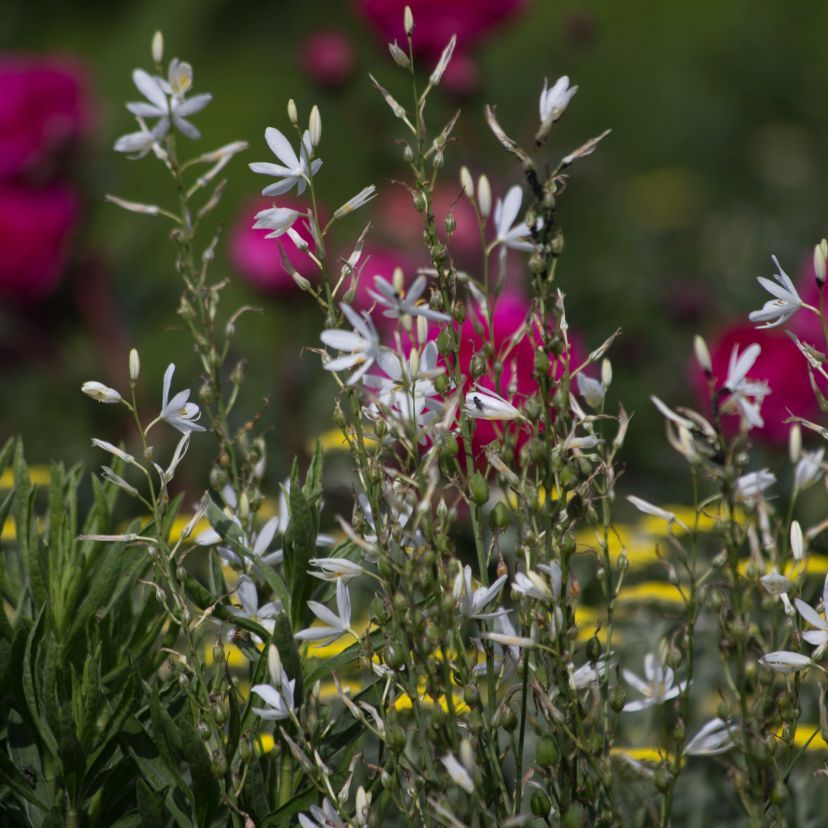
{"x":149,"y":806}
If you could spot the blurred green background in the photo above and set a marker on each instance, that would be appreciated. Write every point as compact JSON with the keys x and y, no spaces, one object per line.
{"x":716,"y":160}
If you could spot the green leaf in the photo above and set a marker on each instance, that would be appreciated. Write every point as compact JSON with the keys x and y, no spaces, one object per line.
{"x":149,"y":806}
{"x":287,"y":813}
{"x":72,"y":756}
{"x":300,"y":547}
{"x":15,"y":780}
{"x":313,"y":479}
{"x":30,"y":694}
{"x":204,"y":786}
{"x":107,"y":564}
{"x":288,"y":652}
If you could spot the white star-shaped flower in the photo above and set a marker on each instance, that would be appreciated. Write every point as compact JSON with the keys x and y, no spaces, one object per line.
{"x":783,"y":306}
{"x":658,"y":688}
{"x":818,"y":637}
{"x":399,"y":303}
{"x":167,"y":101}
{"x":294,"y":171}
{"x":509,"y":234}
{"x":178,"y":412}
{"x":280,"y":703}
{"x":485,"y":404}
{"x":335,"y":624}
{"x":473,"y":601}
{"x":360,"y":347}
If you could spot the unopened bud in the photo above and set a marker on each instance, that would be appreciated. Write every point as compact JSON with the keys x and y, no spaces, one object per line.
{"x":484,"y":196}
{"x":820,"y":254}
{"x":795,"y":443}
{"x":408,"y":20}
{"x":157,"y":47}
{"x":606,"y":373}
{"x":292,"y":112}
{"x":301,"y":282}
{"x":702,"y":354}
{"x":134,"y":365}
{"x":315,"y":126}
{"x":399,"y":56}
{"x":466,"y":182}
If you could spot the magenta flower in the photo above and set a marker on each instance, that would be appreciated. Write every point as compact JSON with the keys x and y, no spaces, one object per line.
{"x":44,"y":106}
{"x":36,"y":226}
{"x":327,"y":57}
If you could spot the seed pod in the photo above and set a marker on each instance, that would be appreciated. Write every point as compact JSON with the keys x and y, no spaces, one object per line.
{"x":499,"y":517}
{"x":541,"y":804}
{"x":547,"y":753}
{"x":479,"y":489}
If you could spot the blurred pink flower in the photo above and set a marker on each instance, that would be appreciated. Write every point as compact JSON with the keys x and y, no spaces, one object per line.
{"x":435,"y":21}
{"x":35,"y":229}
{"x":780,"y":364}
{"x":44,"y":106}
{"x":327,"y":57}
{"x":258,"y":260}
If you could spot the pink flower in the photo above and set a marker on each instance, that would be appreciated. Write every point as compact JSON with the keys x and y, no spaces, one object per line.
{"x":258,"y":259}
{"x":35,"y":228}
{"x":327,"y":57}
{"x":780,"y":364}
{"x":43,"y":107}
{"x":435,"y":21}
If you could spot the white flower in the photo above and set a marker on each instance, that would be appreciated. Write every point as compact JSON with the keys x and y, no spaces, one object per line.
{"x":397,"y":303}
{"x":713,"y":738}
{"x":808,"y":469}
{"x":485,"y":404}
{"x":329,"y":569}
{"x":296,"y":171}
{"x":336,"y":624}
{"x":591,"y":390}
{"x":746,"y":395}
{"x":179,"y":413}
{"x":324,"y":817}
{"x":102,"y":444}
{"x":784,"y":661}
{"x":276,"y":219}
{"x":167,"y":100}
{"x":473,"y":601}
{"x":357,"y":201}
{"x":100,"y":392}
{"x":532,"y":585}
{"x":459,"y":775}
{"x":407,"y":392}
{"x":783,"y":306}
{"x":137,"y":144}
{"x":818,"y":637}
{"x":668,"y":413}
{"x":657,"y":689}
{"x":553,"y":102}
{"x":650,"y":509}
{"x":509,"y":234}
{"x":250,"y":609}
{"x":589,"y":673}
{"x":751,"y":486}
{"x":279,"y":703}
{"x":360,"y":347}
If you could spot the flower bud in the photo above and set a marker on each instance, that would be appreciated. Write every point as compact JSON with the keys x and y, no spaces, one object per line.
{"x":466,"y":182}
{"x":292,"y":112}
{"x":408,"y":20}
{"x":819,"y":262}
{"x":157,"y":48}
{"x":399,"y":56}
{"x":315,"y":126}
{"x":702,"y":354}
{"x":484,"y":196}
{"x":479,"y":489}
{"x":134,"y":365}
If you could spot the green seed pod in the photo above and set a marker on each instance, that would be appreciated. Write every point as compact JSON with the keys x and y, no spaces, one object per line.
{"x":541,"y":804}
{"x":218,"y":766}
{"x":617,"y":698}
{"x":441,"y":384}
{"x":479,"y":489}
{"x":395,"y":738}
{"x":499,"y":517}
{"x":450,"y":446}
{"x":444,"y":343}
{"x":477,"y":366}
{"x":450,"y":223}
{"x":662,"y":780}
{"x":203,"y":730}
{"x":593,"y":649}
{"x":245,"y":749}
{"x":532,"y":408}
{"x":393,"y":656}
{"x":408,"y":155}
{"x":420,"y":202}
{"x":779,"y":794}
{"x":547,"y":753}
{"x":218,"y":653}
{"x":459,"y":312}
{"x":568,"y":545}
{"x":219,"y":713}
{"x":471,"y":695}
{"x":509,"y":720}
